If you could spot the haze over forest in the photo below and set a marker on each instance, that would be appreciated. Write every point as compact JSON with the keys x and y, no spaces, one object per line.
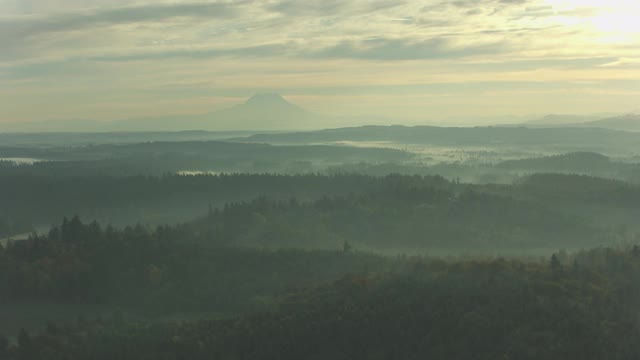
{"x":348,"y":180}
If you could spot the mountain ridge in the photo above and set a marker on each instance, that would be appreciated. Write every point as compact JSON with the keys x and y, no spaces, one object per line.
{"x":627,"y":122}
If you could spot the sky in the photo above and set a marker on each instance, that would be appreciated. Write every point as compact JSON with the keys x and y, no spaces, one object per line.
{"x":414,"y":60}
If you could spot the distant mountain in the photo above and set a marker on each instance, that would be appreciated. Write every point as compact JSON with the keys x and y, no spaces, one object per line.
{"x":261,"y":112}
{"x":269,"y":101}
{"x":557,"y":119}
{"x":630,"y":122}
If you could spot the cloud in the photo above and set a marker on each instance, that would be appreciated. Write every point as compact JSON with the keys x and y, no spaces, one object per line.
{"x":32,"y":36}
{"x":475,"y":4}
{"x":309,"y":7}
{"x":372,"y":49}
{"x":266,"y":50}
{"x":26,"y":26}
{"x":407,"y":49}
{"x":475,"y":7}
{"x":331,"y":7}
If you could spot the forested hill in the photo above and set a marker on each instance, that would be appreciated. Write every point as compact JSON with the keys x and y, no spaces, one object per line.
{"x":580,"y":190}
{"x":170,"y":269}
{"x":570,"y":307}
{"x":236,"y":263}
{"x":587,"y":138}
{"x":403,"y":217}
{"x":30,"y":201}
{"x":572,"y":162}
{"x":205,"y":149}
{"x":157,"y":158}
{"x":541,"y":210}
{"x":58,"y":139}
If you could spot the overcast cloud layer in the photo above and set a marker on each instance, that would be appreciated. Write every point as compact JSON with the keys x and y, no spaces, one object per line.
{"x":419,"y":60}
